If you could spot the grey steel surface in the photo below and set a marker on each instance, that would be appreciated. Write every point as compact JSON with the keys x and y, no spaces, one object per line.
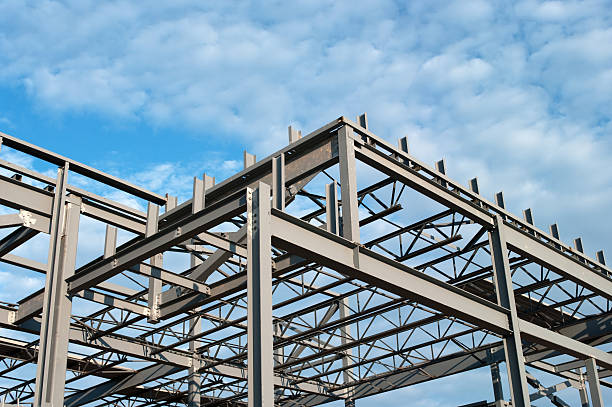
{"x":300,"y":300}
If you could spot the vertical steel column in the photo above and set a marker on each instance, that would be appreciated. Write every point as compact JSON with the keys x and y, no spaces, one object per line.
{"x":498,"y":391}
{"x":350,"y":225}
{"x":331,"y":207}
{"x":195,"y":324}
{"x":278,"y":182}
{"x":345,"y":338}
{"x":110,"y":241}
{"x":259,"y":299}
{"x":515,"y":361}
{"x":348,"y":184}
{"x":593,"y":378}
{"x":584,"y":398}
{"x":57,"y":305}
{"x":155,"y":284}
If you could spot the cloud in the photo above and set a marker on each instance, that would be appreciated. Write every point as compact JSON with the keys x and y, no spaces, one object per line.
{"x":516,"y":94}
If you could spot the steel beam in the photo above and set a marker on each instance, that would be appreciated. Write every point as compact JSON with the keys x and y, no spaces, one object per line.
{"x":593,"y":378}
{"x":259,"y":299}
{"x":195,"y":324}
{"x":312,"y":243}
{"x":572,"y":269}
{"x":331,"y":208}
{"x":164,"y":239}
{"x":80,"y":168}
{"x":513,"y":349}
{"x":54,"y":336}
{"x":348,"y":184}
{"x":278,"y":182}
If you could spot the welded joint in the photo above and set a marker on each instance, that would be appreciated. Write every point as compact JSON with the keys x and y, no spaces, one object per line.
{"x":155,"y":309}
{"x":27,"y":218}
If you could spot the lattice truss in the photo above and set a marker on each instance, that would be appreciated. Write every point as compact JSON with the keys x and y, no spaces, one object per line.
{"x":366,"y":271}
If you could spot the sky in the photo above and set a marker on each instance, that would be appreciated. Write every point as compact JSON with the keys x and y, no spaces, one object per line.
{"x":518,"y":94}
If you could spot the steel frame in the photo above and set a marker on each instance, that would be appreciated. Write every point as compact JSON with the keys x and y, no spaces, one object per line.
{"x":298,"y":300}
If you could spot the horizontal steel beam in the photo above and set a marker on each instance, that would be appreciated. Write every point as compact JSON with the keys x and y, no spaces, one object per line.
{"x":80,"y":168}
{"x":332,"y":251}
{"x":533,"y":249}
{"x":328,"y":249}
{"x":157,"y":243}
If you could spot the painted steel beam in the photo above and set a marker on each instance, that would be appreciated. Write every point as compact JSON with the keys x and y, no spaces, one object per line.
{"x":259,"y":299}
{"x":19,"y":195}
{"x":327,"y":249}
{"x":80,"y":168}
{"x":15,"y":239}
{"x":303,"y":159}
{"x":25,"y":263}
{"x":513,"y":349}
{"x":417,"y":181}
{"x":531,"y":248}
{"x":22,"y":196}
{"x":313,"y":243}
{"x":348,"y":184}
{"x":54,"y":336}
{"x":593,"y":378}
{"x":143,"y":376}
{"x":157,"y":243}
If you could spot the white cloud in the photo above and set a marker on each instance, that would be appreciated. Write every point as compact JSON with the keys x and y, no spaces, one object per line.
{"x":518,"y":92}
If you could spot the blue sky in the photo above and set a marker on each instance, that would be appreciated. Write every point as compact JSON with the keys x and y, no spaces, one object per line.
{"x":518,"y":94}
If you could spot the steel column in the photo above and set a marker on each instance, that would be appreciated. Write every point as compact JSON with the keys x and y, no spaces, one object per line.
{"x":259,"y":299}
{"x":348,"y":184}
{"x":155,"y":284}
{"x":593,"y":378}
{"x":195,"y":324}
{"x":347,"y":374}
{"x":498,"y":391}
{"x":57,"y":305}
{"x":278,"y":182}
{"x":584,"y":398}
{"x":515,"y":361}
{"x":331,"y":207}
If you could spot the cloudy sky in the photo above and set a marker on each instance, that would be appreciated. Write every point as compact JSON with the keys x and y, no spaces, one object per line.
{"x":517,"y":94}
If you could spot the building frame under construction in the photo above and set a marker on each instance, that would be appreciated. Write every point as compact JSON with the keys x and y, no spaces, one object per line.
{"x":337,"y":268}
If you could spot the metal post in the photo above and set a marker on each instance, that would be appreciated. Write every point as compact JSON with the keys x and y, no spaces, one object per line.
{"x":499,"y":200}
{"x":259,"y":299}
{"x":584,"y":398}
{"x":474,"y":185}
{"x":498,"y":391}
{"x":345,"y":338}
{"x":362,"y":120}
{"x":194,"y":384}
{"x":155,"y":284}
{"x":294,"y":134}
{"x":350,"y":225}
{"x":348,"y":183}
{"x":593,"y":378}
{"x":249,"y":159}
{"x":515,"y":361}
{"x":57,"y":306}
{"x":110,"y":241}
{"x":195,"y":324}
{"x":278,"y":182}
{"x":331,"y":207}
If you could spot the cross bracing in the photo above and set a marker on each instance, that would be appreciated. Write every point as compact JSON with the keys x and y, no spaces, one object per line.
{"x":336,"y":268}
